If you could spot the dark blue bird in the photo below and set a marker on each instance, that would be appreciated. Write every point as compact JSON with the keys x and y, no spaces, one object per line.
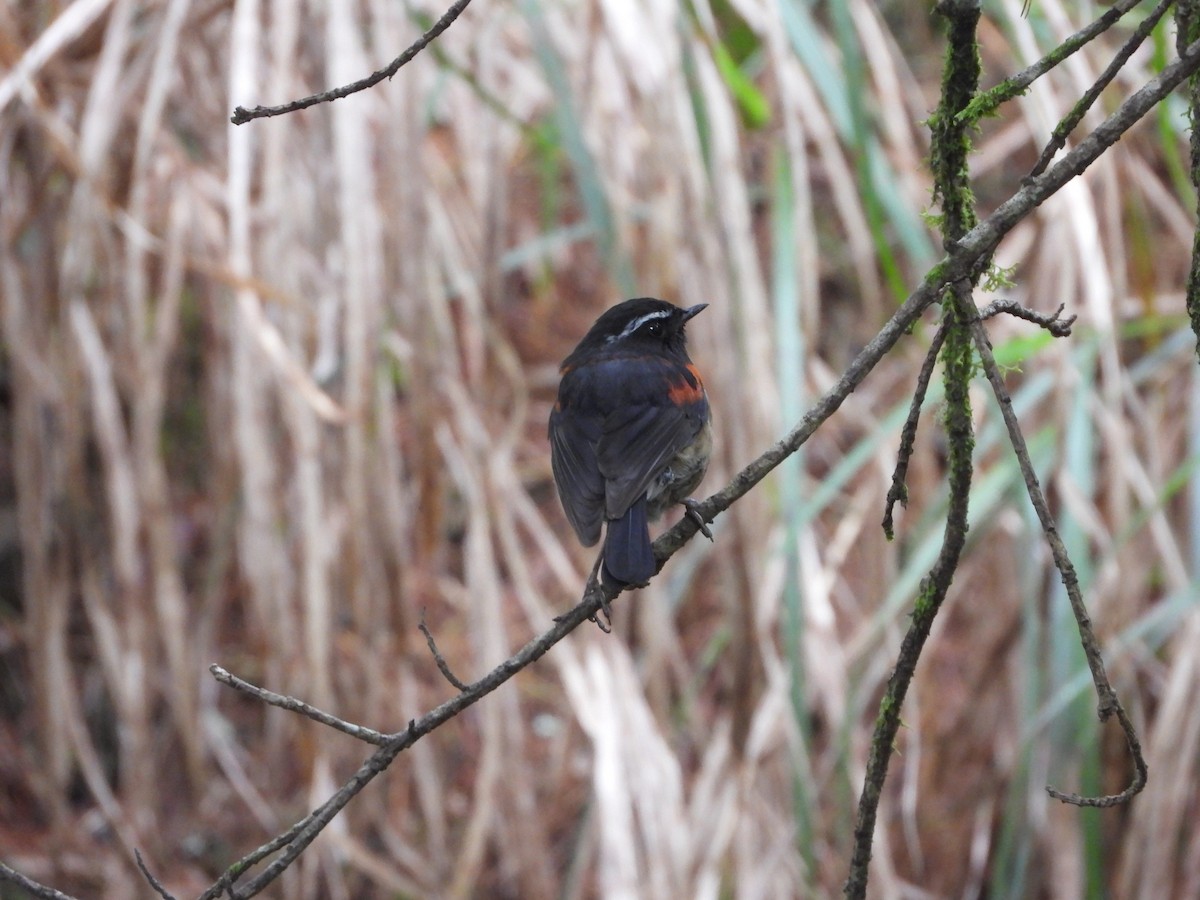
{"x":630,"y":434}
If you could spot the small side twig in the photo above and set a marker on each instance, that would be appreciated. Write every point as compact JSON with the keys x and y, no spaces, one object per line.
{"x":1109,"y":704}
{"x":442,"y":665}
{"x":898,"y":492}
{"x":154,"y":882}
{"x":1053,"y":323}
{"x":368,"y":735}
{"x":241,"y":115}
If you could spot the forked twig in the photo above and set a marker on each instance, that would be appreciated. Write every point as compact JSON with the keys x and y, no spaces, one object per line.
{"x":1109,"y":704}
{"x":898,"y":491}
{"x":962,"y":326}
{"x":1053,"y":323}
{"x":964,"y":256}
{"x":293,"y":842}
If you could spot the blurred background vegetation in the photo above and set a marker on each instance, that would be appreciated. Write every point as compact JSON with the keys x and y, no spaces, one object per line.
{"x":268,"y":394}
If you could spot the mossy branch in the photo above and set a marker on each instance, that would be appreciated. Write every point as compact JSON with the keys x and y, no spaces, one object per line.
{"x":986,"y":104}
{"x":961,"y":329}
{"x":951,"y":147}
{"x":1187,"y":21}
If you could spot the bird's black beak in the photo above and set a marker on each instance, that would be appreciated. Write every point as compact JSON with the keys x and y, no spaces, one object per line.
{"x":693,"y":310}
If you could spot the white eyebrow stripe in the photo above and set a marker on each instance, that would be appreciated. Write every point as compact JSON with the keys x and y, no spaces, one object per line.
{"x":638,"y":323}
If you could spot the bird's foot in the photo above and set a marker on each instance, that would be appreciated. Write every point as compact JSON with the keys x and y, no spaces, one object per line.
{"x":595,"y":583}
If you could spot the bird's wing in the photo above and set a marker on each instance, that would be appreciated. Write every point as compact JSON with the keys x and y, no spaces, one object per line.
{"x":573,"y":440}
{"x":661,"y":412}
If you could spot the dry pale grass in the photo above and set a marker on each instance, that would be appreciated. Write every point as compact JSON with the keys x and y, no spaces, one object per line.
{"x":272,"y":392}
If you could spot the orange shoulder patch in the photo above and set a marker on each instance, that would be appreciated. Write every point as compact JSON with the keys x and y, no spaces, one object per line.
{"x":687,"y":389}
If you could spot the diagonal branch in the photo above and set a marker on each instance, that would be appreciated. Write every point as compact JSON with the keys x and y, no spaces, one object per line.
{"x":965,"y":256}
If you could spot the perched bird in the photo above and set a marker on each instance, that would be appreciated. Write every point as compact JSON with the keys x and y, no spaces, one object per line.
{"x":630,"y":434}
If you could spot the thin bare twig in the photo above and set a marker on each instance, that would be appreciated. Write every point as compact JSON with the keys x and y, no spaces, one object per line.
{"x":368,"y":735}
{"x":154,"y":882}
{"x":442,"y":665}
{"x":241,"y":115}
{"x":1109,"y":704}
{"x":31,"y":887}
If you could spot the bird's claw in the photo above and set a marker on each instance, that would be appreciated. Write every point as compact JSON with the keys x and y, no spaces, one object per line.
{"x":693,"y":510}
{"x":604,"y":624}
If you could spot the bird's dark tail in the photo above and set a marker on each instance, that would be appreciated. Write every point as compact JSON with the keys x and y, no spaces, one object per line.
{"x":628,"y":556}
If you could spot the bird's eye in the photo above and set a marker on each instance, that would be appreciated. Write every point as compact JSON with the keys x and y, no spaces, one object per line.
{"x":654,"y":329}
